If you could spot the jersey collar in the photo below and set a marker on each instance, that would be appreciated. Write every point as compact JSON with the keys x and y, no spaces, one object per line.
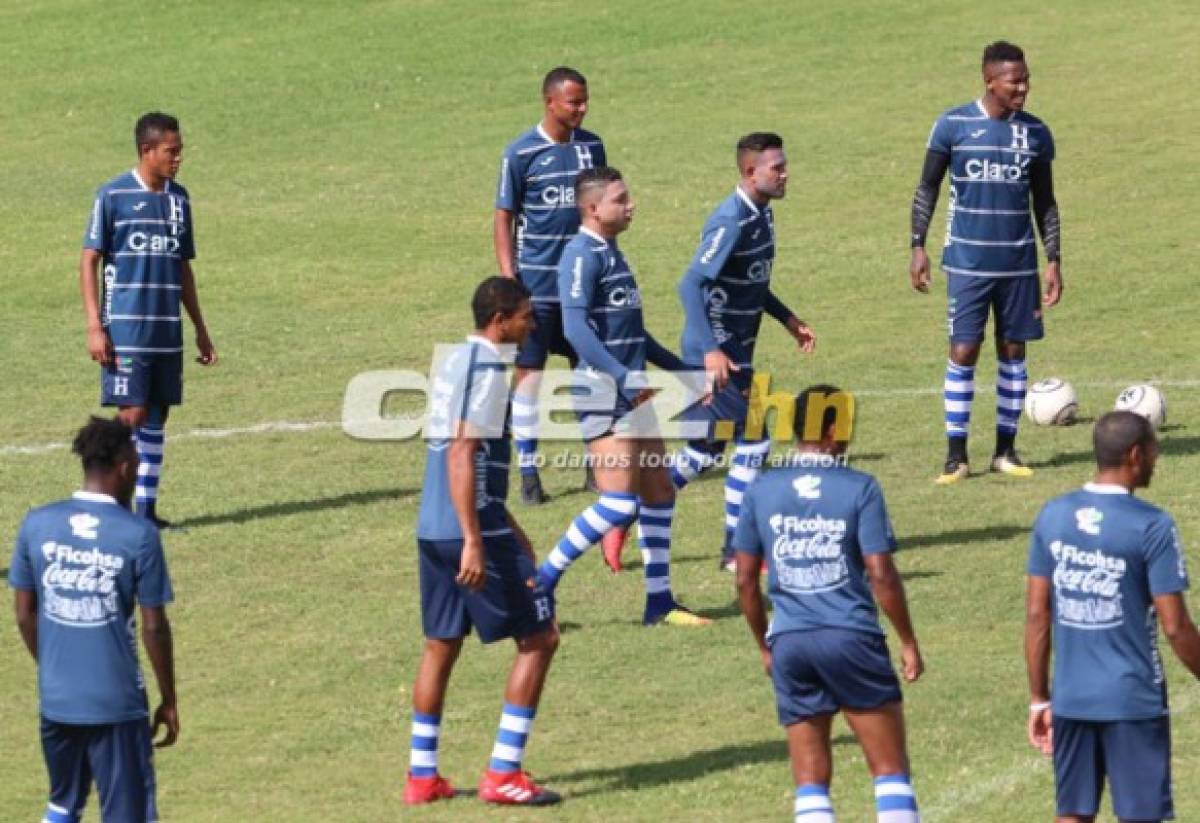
{"x":142,"y":183}
{"x":542,"y":133}
{"x":483,"y":341}
{"x":746,"y":199}
{"x":94,"y":497}
{"x":983,"y":111}
{"x":592,"y":234}
{"x":1105,"y":488}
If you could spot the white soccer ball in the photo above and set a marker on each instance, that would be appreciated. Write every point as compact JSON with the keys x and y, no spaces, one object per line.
{"x":1146,"y":401}
{"x":1051,"y":402}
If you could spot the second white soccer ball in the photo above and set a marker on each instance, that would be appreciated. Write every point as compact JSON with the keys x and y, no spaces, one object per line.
{"x":1051,"y":402}
{"x":1146,"y":401}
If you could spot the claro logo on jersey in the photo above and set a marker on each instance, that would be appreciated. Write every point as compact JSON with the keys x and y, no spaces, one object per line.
{"x":558,"y":195}
{"x":625,"y":297}
{"x":147,"y":242}
{"x":991,"y":170}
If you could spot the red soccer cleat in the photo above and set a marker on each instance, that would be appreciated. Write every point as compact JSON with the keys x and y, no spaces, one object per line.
{"x":514,"y":789}
{"x":420,"y":790}
{"x":612,"y":544}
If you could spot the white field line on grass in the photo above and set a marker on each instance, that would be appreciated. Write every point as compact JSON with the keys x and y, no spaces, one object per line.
{"x":949,"y":805}
{"x":277,"y":426}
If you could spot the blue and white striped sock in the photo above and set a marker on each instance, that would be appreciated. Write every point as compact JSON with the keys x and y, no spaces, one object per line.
{"x":958,"y":392}
{"x":688,"y":464}
{"x":612,"y":510}
{"x":149,"y":441}
{"x":654,"y":535}
{"x":423,"y":756}
{"x":813,"y":804}
{"x":747,"y":462}
{"x":57,"y":814}
{"x":524,"y":429}
{"x":509,"y":751}
{"x":1011,"y":378}
{"x":895,"y":801}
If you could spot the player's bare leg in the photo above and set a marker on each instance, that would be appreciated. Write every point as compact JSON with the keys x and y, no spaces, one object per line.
{"x":812,"y":767}
{"x":529,"y":669}
{"x":424,"y":784}
{"x":527,"y":382}
{"x":1011,"y":356}
{"x":959,"y":395}
{"x":880,"y":732}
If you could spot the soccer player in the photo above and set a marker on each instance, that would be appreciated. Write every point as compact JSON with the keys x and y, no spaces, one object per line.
{"x":999,"y":157}
{"x":476,"y":564}
{"x":535,"y":218}
{"x":602,"y":316}
{"x":79,"y":569}
{"x":1105,"y":568}
{"x":823,"y":530}
{"x":140,"y":238}
{"x":725,"y":292}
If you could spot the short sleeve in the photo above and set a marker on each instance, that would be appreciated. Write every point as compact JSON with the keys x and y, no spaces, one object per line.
{"x":577,"y":276}
{"x":20,"y":569}
{"x":1041,"y":561}
{"x":98,"y":235}
{"x":941,"y":136}
{"x":509,"y":190}
{"x":745,"y":536}
{"x":875,"y":535}
{"x":152,"y":581}
{"x":1165,"y":563}
{"x":485,"y":402}
{"x":716,"y":244}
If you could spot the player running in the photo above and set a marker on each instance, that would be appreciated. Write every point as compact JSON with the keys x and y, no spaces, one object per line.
{"x":535,"y":218}
{"x":140,"y":237}
{"x":79,"y":569}
{"x":477,"y":566}
{"x":999,"y":157}
{"x":1104,"y":569}
{"x":724,"y":293}
{"x":602,"y":316}
{"x":824,"y":532}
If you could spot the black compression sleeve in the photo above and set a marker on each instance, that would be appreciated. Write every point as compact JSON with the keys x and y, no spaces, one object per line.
{"x":1045,"y":208}
{"x":926,"y":195}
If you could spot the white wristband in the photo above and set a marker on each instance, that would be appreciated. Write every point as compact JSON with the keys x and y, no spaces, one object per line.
{"x":1039,"y":707}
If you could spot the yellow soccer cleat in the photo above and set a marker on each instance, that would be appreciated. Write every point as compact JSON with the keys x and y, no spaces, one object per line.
{"x":676,"y":616}
{"x":1010,"y":463}
{"x":953,"y":471}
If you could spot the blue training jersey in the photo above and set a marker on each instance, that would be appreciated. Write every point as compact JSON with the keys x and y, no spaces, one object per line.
{"x":736,"y":253}
{"x":594,"y":277}
{"x":145,"y":238}
{"x":537,"y":184}
{"x":814,"y":524}
{"x":989,"y":230}
{"x":469,"y":396}
{"x":1107,"y":554}
{"x":89,"y":561}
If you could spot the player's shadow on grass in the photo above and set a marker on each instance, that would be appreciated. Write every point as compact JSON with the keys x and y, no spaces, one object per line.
{"x":956,"y":537}
{"x":1168,"y":444}
{"x":692,"y":766}
{"x":341,"y":501}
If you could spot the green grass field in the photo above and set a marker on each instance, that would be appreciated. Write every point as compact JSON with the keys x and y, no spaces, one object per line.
{"x":341,"y":159}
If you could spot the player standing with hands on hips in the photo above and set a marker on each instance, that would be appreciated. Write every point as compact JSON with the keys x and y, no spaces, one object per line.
{"x":140,"y":239}
{"x":1105,"y":570}
{"x":999,"y":158}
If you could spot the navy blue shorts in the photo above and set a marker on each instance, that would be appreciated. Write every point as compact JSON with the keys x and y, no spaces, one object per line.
{"x":512,"y":603}
{"x":117,"y":756}
{"x":145,"y":380}
{"x":1135,"y":756}
{"x":818,"y":671}
{"x":726,"y":414}
{"x":1016,"y":301}
{"x":597,"y":424}
{"x":545,"y":339}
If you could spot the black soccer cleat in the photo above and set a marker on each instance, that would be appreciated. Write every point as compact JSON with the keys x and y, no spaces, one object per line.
{"x":532,"y":493}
